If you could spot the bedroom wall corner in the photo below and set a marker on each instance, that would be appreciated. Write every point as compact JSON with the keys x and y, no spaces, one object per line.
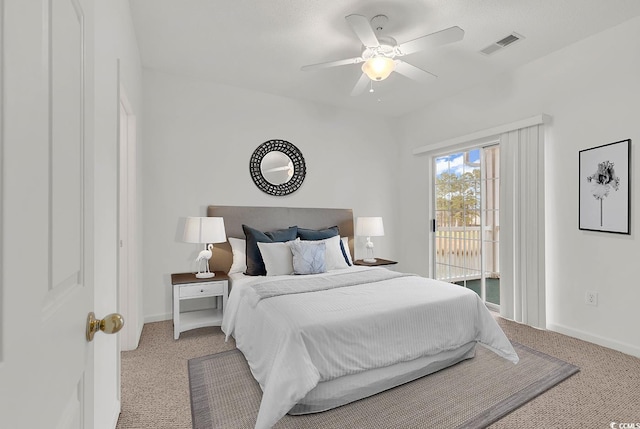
{"x":592,"y":99}
{"x":414,"y":216}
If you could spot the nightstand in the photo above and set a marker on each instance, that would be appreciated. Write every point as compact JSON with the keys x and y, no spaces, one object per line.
{"x":378,"y":263}
{"x":188,"y":286}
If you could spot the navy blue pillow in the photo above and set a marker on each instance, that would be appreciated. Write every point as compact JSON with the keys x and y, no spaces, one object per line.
{"x":322,"y":234}
{"x":255,"y":264}
{"x":318,"y":234}
{"x":282,"y":235}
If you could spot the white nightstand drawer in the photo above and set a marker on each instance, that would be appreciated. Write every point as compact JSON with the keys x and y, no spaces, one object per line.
{"x":203,"y":289}
{"x":187,"y":286}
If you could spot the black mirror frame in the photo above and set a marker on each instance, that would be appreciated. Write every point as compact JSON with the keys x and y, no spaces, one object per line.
{"x":299,"y":167}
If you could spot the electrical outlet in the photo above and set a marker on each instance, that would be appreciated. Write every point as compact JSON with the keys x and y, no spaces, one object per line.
{"x":591,"y":298}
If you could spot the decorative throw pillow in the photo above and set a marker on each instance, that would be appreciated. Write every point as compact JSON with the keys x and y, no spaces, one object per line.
{"x":344,"y":244}
{"x":322,"y":234}
{"x":277,"y":257}
{"x":238,"y":249}
{"x":333,"y":257}
{"x":308,"y":257}
{"x":255,"y":264}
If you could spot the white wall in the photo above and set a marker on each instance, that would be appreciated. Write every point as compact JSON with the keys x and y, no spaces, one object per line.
{"x":114,"y":39}
{"x":199,"y":137}
{"x":591,"y":89}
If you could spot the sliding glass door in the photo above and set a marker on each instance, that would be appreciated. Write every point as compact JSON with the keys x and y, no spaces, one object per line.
{"x":466,"y":220}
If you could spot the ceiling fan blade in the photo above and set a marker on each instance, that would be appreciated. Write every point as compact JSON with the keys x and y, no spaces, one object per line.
{"x":360,"y":85}
{"x":413,"y":72}
{"x":363,"y":30}
{"x":326,"y":65}
{"x":452,"y":34}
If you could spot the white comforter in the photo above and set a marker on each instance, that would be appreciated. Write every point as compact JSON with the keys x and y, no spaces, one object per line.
{"x":292,"y":342}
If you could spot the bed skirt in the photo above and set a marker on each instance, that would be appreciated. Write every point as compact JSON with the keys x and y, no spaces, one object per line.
{"x":349,"y":388}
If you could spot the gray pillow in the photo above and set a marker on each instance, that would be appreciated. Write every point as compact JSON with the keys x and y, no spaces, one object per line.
{"x":317,"y":234}
{"x":308,"y":257}
{"x":255,"y":263}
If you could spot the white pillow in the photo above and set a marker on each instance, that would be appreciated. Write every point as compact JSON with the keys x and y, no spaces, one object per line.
{"x":334,"y":259}
{"x":345,"y":243}
{"x":238,"y":249}
{"x":308,"y":256}
{"x":277,"y":257}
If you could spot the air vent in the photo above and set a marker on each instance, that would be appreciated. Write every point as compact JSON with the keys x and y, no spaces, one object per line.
{"x":502,"y":43}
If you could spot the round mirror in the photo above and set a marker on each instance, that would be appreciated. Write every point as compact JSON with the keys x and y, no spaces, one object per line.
{"x":277,"y":167}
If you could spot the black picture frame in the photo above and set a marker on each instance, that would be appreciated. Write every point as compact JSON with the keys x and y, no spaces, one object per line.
{"x":297,"y":163}
{"x":605,"y":188}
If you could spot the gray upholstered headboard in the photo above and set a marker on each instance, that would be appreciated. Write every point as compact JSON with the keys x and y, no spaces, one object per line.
{"x":270,"y":218}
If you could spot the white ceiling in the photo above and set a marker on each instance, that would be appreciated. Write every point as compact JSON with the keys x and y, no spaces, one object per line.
{"x":261,"y":44}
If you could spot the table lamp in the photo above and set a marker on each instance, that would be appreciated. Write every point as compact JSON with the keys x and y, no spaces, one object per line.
{"x":204,"y":230}
{"x":369,"y":227}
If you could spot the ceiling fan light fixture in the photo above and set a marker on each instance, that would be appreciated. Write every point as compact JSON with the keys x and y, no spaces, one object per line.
{"x":378,"y":68}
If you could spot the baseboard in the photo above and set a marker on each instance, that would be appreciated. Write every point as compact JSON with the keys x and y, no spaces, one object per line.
{"x":158,"y":317}
{"x":116,"y":415}
{"x":596,"y":339}
{"x":134,"y":342}
{"x":139,"y":334}
{"x":113,"y":421}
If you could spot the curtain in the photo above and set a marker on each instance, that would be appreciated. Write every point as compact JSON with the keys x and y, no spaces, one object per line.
{"x":522,"y":277}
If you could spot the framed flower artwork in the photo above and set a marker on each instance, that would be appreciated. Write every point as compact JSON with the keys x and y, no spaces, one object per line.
{"x":605,"y":194}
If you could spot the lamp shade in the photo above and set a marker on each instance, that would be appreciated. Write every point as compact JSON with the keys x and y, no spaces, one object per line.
{"x":378,"y":68}
{"x":204,"y":230}
{"x":369,"y":227}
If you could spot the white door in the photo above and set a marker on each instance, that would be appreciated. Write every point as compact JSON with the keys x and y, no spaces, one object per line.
{"x":46,"y":364}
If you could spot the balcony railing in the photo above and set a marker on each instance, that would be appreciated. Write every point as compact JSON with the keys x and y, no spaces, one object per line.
{"x":459,"y":252}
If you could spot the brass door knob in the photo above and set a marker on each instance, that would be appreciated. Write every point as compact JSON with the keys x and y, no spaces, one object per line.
{"x":111,"y":324}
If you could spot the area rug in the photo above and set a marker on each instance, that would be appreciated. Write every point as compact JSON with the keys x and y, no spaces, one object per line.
{"x":471,"y":394}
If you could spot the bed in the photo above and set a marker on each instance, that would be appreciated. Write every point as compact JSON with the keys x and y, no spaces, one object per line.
{"x":320,"y":341}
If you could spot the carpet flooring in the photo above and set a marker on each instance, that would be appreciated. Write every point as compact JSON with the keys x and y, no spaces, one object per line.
{"x":155,"y":386}
{"x":472,"y":394}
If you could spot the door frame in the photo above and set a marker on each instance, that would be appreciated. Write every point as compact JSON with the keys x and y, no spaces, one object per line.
{"x":127,"y":287}
{"x":2,"y":50}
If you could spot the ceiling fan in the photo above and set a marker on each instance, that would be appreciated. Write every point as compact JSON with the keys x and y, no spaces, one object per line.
{"x":380,"y":54}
